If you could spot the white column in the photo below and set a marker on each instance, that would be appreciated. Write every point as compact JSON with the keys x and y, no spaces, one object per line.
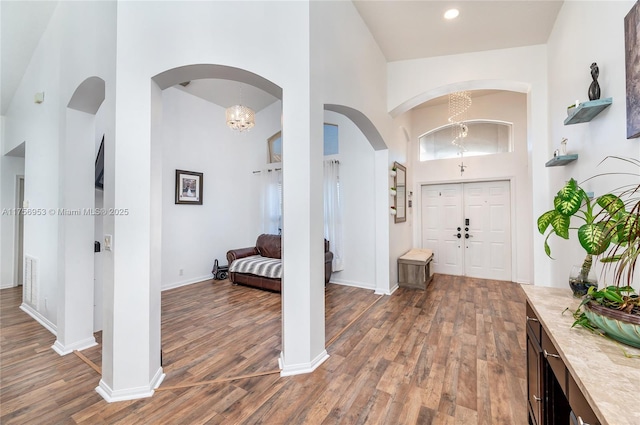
{"x":131,"y":336}
{"x":303,"y":218}
{"x":382,"y":220}
{"x":75,"y":254}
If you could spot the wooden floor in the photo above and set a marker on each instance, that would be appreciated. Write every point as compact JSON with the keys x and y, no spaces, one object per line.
{"x":454,"y":354}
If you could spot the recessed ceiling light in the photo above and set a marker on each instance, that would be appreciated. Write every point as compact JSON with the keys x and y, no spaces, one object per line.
{"x":451,"y":14}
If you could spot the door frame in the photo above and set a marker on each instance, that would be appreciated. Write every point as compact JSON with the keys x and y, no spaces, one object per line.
{"x":417,"y":235}
{"x":17,"y":242}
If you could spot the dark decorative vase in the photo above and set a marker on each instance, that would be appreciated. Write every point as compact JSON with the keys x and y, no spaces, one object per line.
{"x":594,"y":88}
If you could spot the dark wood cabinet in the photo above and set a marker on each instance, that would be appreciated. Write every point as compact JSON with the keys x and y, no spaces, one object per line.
{"x":553,"y":397}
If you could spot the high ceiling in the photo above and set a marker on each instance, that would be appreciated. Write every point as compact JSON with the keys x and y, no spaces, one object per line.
{"x":402,"y":29}
{"x":417,"y":29}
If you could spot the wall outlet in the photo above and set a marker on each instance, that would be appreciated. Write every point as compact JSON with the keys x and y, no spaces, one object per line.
{"x":180,"y":272}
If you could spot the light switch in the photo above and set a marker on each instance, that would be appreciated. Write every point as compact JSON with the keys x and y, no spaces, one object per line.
{"x":107,"y":242}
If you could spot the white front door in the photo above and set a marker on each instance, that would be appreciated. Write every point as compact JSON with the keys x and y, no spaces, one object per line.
{"x":468,"y":227}
{"x":441,"y":218}
{"x":488,"y":249}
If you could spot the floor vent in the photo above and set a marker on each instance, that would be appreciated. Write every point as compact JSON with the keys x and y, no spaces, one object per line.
{"x":31,"y":281}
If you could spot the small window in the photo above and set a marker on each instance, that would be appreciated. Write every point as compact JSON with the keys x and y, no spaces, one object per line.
{"x":330,"y":139}
{"x":330,"y":143}
{"x":275,"y":147}
{"x":484,"y":138}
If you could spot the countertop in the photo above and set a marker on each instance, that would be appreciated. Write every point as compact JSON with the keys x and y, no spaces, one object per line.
{"x":609,"y":381}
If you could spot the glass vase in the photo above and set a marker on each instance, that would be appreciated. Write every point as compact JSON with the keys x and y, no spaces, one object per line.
{"x":580,"y":283}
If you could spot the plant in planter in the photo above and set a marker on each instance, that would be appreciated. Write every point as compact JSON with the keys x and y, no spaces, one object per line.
{"x":573,"y":201}
{"x":615,"y":309}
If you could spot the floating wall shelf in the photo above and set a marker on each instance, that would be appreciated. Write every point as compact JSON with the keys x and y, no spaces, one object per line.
{"x":561,"y":160}
{"x":586,"y":111}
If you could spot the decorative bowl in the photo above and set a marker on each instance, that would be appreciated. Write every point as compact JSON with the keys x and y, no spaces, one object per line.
{"x":621,"y":326}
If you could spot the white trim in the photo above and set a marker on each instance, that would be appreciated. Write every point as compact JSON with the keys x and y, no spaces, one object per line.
{"x":8,"y":285}
{"x":301,"y":368}
{"x":352,"y":283}
{"x":130,"y":393}
{"x":389,"y":292}
{"x":63,"y":350}
{"x":187,"y":282}
{"x":35,"y":315}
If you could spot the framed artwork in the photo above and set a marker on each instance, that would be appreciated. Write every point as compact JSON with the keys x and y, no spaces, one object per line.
{"x":632,"y":67}
{"x":188,"y":187}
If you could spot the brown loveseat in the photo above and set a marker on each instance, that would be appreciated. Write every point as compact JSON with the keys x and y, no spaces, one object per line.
{"x":268,"y":247}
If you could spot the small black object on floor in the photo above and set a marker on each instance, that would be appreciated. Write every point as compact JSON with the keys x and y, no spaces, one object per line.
{"x":219,"y":272}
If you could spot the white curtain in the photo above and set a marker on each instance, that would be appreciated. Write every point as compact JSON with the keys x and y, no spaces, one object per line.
{"x":333,"y":212}
{"x":272,"y":211}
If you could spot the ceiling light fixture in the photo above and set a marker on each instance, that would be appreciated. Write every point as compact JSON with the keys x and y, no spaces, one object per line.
{"x":239,"y":117}
{"x":459,"y":103}
{"x":451,"y":14}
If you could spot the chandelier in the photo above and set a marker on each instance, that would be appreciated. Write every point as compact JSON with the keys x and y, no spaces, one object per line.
{"x":459,"y":103}
{"x":240,"y":118}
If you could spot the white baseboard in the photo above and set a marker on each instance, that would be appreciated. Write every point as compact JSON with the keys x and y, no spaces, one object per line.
{"x":7,"y":285}
{"x":63,"y":350}
{"x":302,"y":368}
{"x":389,"y":292}
{"x":35,"y":315}
{"x":186,"y":282}
{"x":353,"y":283}
{"x":146,"y":391}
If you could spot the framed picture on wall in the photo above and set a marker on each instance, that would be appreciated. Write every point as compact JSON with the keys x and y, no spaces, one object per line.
{"x":188,"y":187}
{"x":632,"y":65}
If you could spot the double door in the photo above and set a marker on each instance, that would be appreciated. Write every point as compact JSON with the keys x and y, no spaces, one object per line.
{"x":468,"y":227}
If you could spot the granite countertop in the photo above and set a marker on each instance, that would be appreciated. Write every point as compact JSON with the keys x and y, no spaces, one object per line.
{"x":609,"y":381}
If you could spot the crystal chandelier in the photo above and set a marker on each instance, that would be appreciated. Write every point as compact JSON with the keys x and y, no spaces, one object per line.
{"x":240,"y":118}
{"x":459,"y":103}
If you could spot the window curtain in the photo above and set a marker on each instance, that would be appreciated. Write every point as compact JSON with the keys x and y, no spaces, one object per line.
{"x":333,"y":212}
{"x":272,"y":211}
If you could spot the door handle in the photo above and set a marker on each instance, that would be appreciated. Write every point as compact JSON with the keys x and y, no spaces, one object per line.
{"x":467,"y":236}
{"x":458,"y":235}
{"x":548,"y":354}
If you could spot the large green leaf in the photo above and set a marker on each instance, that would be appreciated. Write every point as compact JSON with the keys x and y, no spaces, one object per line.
{"x":612,"y":204}
{"x":593,"y":238}
{"x":560,"y":225}
{"x":569,"y":199}
{"x":545,"y":219}
{"x":547,"y":248}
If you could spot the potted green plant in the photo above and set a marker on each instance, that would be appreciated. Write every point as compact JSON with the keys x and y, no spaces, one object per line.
{"x":615,"y":308}
{"x":573,"y":201}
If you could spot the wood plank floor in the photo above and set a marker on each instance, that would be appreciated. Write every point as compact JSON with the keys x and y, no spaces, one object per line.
{"x":454,"y":354}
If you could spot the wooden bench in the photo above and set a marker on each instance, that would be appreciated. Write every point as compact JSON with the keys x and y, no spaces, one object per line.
{"x":414,"y":269}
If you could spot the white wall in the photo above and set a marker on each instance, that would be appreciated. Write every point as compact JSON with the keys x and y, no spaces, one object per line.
{"x":505,"y":106}
{"x":571,"y":52}
{"x":78,"y":43}
{"x":357,"y":193}
{"x":349,"y":69}
{"x":196,"y":138}
{"x":522,"y":70}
